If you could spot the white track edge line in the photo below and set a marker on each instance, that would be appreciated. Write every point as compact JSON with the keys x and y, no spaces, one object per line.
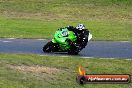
{"x":6,"y":41}
{"x":10,"y":38}
{"x":40,"y":39}
{"x":89,"y":57}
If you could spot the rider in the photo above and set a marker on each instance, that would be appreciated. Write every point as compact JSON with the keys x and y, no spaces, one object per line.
{"x":81,"y":33}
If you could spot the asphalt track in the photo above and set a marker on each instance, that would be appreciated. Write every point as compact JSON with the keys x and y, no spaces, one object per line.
{"x":101,"y":49}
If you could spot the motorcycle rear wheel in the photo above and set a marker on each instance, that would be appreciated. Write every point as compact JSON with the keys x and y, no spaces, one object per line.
{"x":73,"y":50}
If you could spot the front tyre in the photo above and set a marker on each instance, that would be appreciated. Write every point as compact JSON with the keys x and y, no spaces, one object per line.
{"x":48,"y":47}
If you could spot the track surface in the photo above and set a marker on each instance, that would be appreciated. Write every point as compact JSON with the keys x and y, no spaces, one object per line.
{"x":103,"y":49}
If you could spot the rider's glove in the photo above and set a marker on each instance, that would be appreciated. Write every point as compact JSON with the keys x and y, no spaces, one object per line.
{"x":68,"y":40}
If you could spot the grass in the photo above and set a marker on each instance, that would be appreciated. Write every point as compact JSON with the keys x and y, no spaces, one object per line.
{"x":107,"y":19}
{"x":12,"y":74}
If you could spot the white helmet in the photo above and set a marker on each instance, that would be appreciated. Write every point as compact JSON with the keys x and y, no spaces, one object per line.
{"x":80,"y":27}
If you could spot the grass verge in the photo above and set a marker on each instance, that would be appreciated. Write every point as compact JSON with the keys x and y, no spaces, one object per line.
{"x":34,"y":71}
{"x":107,"y":19}
{"x":101,"y":30}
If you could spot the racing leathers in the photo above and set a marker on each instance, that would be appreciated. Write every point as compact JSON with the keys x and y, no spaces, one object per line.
{"x":82,"y":36}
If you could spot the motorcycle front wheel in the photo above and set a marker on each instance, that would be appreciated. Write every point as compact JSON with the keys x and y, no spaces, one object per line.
{"x":50,"y":47}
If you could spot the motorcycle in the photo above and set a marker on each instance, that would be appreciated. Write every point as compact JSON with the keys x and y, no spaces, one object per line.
{"x":64,"y":41}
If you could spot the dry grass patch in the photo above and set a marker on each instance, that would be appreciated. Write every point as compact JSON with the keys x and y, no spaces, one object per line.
{"x":35,"y":69}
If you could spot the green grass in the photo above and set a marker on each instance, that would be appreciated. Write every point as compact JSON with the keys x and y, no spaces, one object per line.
{"x":65,"y":78}
{"x":107,"y":19}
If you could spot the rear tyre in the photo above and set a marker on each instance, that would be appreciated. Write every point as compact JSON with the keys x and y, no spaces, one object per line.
{"x":73,"y":50}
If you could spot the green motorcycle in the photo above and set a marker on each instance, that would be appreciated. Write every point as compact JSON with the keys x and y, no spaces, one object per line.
{"x":63,"y":41}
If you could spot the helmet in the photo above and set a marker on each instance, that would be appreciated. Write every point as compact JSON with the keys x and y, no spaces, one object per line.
{"x":80,"y":27}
